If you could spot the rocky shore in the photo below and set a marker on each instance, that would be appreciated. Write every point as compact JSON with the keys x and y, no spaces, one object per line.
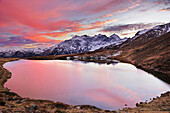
{"x":11,"y":102}
{"x":4,"y":73}
{"x":160,"y":104}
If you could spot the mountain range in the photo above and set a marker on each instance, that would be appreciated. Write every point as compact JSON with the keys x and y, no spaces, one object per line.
{"x":77,"y":44}
{"x":85,"y":43}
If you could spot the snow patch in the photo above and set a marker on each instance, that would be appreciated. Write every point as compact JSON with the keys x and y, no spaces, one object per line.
{"x":118,"y":53}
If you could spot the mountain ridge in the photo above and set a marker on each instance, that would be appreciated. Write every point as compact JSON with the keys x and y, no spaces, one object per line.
{"x":77,"y":44}
{"x":85,"y":43}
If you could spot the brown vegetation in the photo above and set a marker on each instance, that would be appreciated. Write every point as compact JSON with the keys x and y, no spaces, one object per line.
{"x":157,"y":105}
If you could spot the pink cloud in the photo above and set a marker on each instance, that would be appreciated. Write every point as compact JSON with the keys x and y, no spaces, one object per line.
{"x":58,"y":18}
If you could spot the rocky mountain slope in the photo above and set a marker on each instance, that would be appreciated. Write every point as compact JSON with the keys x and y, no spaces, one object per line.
{"x":152,"y":55}
{"x":77,"y":44}
{"x":145,"y":35}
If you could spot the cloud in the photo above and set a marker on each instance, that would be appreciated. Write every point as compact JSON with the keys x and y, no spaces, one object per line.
{"x":134,"y":4}
{"x":106,"y":5}
{"x":128,"y":34}
{"x":15,"y":41}
{"x":45,"y":21}
{"x":120,"y":28}
{"x":36,"y":45}
{"x":129,"y":30}
{"x":164,"y":2}
{"x":164,"y":9}
{"x":21,"y":14}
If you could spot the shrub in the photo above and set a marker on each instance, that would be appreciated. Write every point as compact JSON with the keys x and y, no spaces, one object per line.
{"x":2,"y":103}
{"x":61,"y":105}
{"x":59,"y":111}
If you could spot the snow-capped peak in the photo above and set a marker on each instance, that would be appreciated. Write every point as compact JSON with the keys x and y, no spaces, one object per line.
{"x":116,"y":37}
{"x":84,"y":43}
{"x":20,"y":51}
{"x":142,"y":32}
{"x":156,"y":31}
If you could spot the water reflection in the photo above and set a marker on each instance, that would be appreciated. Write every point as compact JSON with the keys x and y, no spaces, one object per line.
{"x":105,"y":86}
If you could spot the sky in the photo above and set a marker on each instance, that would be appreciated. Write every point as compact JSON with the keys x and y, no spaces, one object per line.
{"x":44,"y":23}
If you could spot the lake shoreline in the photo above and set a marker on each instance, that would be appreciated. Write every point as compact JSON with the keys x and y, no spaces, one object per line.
{"x":5,"y":92}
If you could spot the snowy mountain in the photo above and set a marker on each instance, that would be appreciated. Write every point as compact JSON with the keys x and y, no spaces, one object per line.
{"x":154,"y":32}
{"x":79,"y":44}
{"x":21,"y":52}
{"x":144,"y":36}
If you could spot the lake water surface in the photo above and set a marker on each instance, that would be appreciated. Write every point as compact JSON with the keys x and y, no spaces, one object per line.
{"x":76,"y":83}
